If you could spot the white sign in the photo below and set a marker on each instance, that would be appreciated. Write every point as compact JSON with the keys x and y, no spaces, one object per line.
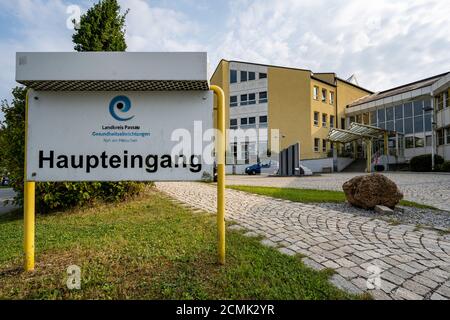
{"x":119,"y":136}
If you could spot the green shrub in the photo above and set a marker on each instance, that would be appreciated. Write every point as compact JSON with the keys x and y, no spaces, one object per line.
{"x":50,"y":196}
{"x":422,"y":163}
{"x":445,"y":167}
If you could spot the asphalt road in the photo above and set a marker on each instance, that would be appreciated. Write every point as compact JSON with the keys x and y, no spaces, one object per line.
{"x":6,"y":194}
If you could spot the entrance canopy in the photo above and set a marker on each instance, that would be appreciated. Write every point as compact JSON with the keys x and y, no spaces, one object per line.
{"x":112,"y":71}
{"x":355,"y":132}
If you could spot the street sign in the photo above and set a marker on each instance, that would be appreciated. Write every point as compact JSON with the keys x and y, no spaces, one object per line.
{"x":119,"y":136}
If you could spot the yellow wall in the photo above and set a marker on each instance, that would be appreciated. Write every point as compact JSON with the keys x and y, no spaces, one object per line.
{"x":221,"y":78}
{"x":289,"y":106}
{"x":346,"y":95}
{"x":323,"y":108}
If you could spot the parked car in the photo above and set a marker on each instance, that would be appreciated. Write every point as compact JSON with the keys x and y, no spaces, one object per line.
{"x":5,"y":181}
{"x":270,"y":167}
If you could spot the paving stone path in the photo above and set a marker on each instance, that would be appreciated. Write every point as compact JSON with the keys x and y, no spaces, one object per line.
{"x":369,"y":255}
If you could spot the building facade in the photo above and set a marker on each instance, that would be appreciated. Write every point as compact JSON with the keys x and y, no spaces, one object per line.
{"x":417,"y":114}
{"x":303,"y":106}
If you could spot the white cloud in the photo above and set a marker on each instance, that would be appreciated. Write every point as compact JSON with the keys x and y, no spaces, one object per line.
{"x":384,"y":42}
{"x":158,"y":29}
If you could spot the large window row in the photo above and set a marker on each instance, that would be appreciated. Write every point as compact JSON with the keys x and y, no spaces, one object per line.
{"x":248,"y":122}
{"x":408,"y":118}
{"x":325,"y":96}
{"x":244,"y":76}
{"x":317,"y":145}
{"x":324,"y":120}
{"x":248,"y":99}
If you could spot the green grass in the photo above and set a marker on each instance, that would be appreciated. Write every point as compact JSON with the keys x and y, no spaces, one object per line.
{"x":310,"y":195}
{"x":150,"y":248}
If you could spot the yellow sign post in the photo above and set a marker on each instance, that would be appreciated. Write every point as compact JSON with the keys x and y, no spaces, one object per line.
{"x":29,"y":207}
{"x":220,"y":143}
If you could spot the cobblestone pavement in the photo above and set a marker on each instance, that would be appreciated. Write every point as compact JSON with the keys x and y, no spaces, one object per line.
{"x":428,"y":188}
{"x":398,"y":260}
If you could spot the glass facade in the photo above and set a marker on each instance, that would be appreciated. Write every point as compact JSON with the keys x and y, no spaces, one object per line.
{"x":409,"y":118}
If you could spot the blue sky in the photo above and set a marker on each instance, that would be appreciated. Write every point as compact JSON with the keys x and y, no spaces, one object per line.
{"x":384,"y":42}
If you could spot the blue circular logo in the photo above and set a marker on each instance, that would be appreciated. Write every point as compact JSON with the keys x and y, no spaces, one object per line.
{"x":118,"y":105}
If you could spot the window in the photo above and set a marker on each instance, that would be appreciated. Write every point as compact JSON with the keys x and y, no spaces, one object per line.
{"x":331,"y":121}
{"x":233,"y":101}
{"x":409,"y":125}
{"x":324,"y":145}
{"x":244,"y":99}
{"x":448,"y":135}
{"x":316,"y":145}
{"x":440,"y":137}
{"x":418,"y":124}
{"x":316,"y":93}
{"x":381,"y":115}
{"x":324,"y":120}
{"x":251,"y":76}
{"x":407,"y":110}
{"x":262,"y":75}
{"x":398,"y":112}
{"x":263,"y":97}
{"x":418,"y":108}
{"x":390,"y":114}
{"x":233,"y":76}
{"x":428,"y":119}
{"x":342,"y":123}
{"x":419,"y":142}
{"x":263,"y":119}
{"x":409,"y":142}
{"x":252,"y":98}
{"x":390,"y":126}
{"x":252,"y":122}
{"x":233,"y":124}
{"x":428,"y":141}
{"x":244,"y":121}
{"x":373,"y":118}
{"x":324,"y":95}
{"x":316,"y":119}
{"x":243,"y":76}
{"x":399,"y":125}
{"x":331,"y":97}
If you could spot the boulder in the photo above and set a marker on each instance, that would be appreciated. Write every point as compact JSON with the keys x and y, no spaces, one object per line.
{"x":371,"y":190}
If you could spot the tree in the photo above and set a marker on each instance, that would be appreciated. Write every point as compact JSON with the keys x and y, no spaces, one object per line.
{"x":102,"y":28}
{"x":12,"y":142}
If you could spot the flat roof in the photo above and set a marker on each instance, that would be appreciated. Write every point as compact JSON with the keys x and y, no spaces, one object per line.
{"x":112,"y":71}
